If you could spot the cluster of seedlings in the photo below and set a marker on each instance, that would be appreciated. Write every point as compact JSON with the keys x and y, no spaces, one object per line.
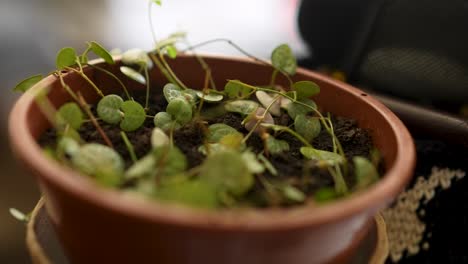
{"x":249,"y":145}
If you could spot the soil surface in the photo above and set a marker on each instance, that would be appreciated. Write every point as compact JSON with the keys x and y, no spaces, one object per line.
{"x":291,"y":166}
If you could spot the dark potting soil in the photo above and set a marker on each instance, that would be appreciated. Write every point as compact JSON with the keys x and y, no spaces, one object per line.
{"x":291,"y":166}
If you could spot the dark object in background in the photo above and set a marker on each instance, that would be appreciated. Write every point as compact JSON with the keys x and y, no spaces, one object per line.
{"x":416,"y":50}
{"x":413,"y":49}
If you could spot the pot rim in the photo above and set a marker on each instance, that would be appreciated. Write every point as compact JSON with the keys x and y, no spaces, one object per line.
{"x":374,"y":197}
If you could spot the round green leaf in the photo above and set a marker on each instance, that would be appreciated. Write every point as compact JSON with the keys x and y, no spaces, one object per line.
{"x":180,"y":110}
{"x":365,"y":172}
{"x":108,"y":109}
{"x":307,"y":127}
{"x":192,"y":193}
{"x":306,"y":89}
{"x":170,"y":161}
{"x":164,"y":121}
{"x":190,"y":96}
{"x":66,"y":57}
{"x":237,"y":179}
{"x":244,"y":107}
{"x":210,"y":97}
{"x":69,"y":114}
{"x":330,"y":157}
{"x":217,"y":131}
{"x":295,"y":109}
{"x":101,"y":52}
{"x":283,"y":59}
{"x":25,"y":84}
{"x":132,"y":74}
{"x":171,"y":92}
{"x":134,"y":116}
{"x":276,"y":146}
{"x":100,"y":162}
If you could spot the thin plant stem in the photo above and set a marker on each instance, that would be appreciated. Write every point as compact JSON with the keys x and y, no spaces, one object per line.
{"x":238,"y":48}
{"x":67,"y":87}
{"x":124,"y":88}
{"x":161,"y":67}
{"x":85,"y":106}
{"x":150,"y":18}
{"x":129,"y":146}
{"x":169,"y":70}
{"x":147,"y":88}
{"x":82,"y":74}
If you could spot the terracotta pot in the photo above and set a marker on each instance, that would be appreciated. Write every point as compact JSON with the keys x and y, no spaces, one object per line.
{"x":98,"y":225}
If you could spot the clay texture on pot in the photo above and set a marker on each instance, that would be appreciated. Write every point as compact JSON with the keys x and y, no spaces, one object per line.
{"x":98,"y":225}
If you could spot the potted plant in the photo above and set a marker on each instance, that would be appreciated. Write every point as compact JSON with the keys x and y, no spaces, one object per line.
{"x":208,"y":139}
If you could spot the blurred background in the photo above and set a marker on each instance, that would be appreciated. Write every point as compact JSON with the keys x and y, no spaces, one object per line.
{"x":31,"y":32}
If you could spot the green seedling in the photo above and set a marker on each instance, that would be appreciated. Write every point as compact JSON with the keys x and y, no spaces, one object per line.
{"x":113,"y":109}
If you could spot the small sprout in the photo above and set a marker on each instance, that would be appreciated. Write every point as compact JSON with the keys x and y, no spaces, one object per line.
{"x":108,"y":109}
{"x":210,"y":97}
{"x":217,"y":131}
{"x":235,"y":89}
{"x":295,"y":109}
{"x":164,"y":121}
{"x":259,"y":116}
{"x":69,"y":114}
{"x":237,"y":180}
{"x":113,"y":110}
{"x":134,"y":116}
{"x":171,"y":92}
{"x":276,"y":146}
{"x":244,"y":107}
{"x":66,"y":57}
{"x":101,"y":52}
{"x":180,"y":110}
{"x":159,"y":138}
{"x":132,"y":74}
{"x":308,"y":127}
{"x":266,"y":100}
{"x":158,"y":2}
{"x":20,"y":216}
{"x":293,"y":194}
{"x":195,"y":193}
{"x":283,"y":59}
{"x":366,"y":173}
{"x":101,"y":162}
{"x":137,"y":57}
{"x":305,"y":89}
{"x":27,"y":83}
{"x":325,"y":194}
{"x":330,"y":158}
{"x":252,"y":163}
